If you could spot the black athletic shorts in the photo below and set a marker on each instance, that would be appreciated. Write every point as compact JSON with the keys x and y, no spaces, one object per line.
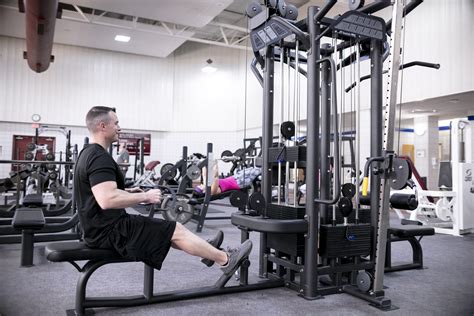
{"x":141,"y":238}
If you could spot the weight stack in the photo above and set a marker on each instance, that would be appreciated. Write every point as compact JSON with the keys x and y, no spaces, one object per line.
{"x":290,"y":244}
{"x":291,"y":154}
{"x":276,"y":211}
{"x":345,"y":241}
{"x":364,"y":216}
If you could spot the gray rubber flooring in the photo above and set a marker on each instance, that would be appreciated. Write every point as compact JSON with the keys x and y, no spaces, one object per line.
{"x":445,"y":287}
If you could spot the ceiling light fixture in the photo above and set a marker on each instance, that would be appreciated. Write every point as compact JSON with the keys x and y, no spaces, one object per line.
{"x":421,"y":111}
{"x":122,"y":38}
{"x":453,"y":101}
{"x":208,"y":68}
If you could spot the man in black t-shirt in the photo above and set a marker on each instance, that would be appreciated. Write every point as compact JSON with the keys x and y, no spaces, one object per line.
{"x":101,"y":200}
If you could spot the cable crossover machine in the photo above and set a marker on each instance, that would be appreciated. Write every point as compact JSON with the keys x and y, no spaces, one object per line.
{"x":311,"y":247}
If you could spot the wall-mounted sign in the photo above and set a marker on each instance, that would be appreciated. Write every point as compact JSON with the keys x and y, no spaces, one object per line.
{"x":133,"y":142}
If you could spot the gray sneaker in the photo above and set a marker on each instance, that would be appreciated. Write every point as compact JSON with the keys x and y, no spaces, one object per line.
{"x":216,"y":242}
{"x":236,"y":256}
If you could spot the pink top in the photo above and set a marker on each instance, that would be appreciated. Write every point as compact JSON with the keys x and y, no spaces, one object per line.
{"x":228,"y":184}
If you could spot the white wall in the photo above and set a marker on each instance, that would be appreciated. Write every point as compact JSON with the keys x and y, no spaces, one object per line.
{"x":139,"y":87}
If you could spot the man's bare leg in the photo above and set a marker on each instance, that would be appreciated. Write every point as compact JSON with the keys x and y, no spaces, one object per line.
{"x":190,"y":243}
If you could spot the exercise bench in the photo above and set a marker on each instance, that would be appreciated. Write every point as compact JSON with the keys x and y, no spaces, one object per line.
{"x":28,"y":220}
{"x":410,"y":234}
{"x":72,"y":251}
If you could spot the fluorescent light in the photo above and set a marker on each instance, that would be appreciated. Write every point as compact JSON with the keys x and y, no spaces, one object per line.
{"x":122,"y":38}
{"x":208,"y":68}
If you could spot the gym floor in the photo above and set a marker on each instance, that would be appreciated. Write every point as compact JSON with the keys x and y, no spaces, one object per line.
{"x":444,"y":287}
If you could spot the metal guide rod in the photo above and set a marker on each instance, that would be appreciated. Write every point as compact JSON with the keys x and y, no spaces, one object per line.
{"x":282,"y":107}
{"x":389,"y":125}
{"x":296,"y":116}
{"x":357,"y":108}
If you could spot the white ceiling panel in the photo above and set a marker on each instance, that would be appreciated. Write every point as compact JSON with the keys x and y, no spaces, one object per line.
{"x":195,"y":13}
{"x":147,"y":40}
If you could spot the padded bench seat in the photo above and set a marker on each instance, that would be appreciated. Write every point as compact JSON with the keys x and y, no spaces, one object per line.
{"x":411,"y":231}
{"x":268,"y":225}
{"x":76,"y":251}
{"x":33,"y":200}
{"x":28,"y":218}
{"x":407,"y":233}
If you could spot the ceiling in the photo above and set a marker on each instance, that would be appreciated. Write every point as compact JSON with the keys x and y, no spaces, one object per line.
{"x":159,"y":27}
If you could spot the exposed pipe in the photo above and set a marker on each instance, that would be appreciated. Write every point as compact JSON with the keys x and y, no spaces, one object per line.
{"x":40,"y":24}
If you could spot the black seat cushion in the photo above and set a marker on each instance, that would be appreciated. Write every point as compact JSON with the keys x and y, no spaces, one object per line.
{"x":33,"y":200}
{"x":268,"y":225}
{"x":75,"y":251}
{"x":28,"y":218}
{"x":411,"y":231}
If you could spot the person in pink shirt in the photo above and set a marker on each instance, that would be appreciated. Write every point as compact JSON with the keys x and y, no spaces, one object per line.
{"x":241,"y":179}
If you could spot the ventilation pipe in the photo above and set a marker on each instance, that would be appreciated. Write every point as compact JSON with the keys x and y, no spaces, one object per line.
{"x":40,"y":23}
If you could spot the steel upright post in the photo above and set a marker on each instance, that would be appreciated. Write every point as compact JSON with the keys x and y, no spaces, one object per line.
{"x":267,"y":139}
{"x":310,"y":290}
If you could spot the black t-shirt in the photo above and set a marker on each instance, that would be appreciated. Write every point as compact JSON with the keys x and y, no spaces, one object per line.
{"x":95,"y":165}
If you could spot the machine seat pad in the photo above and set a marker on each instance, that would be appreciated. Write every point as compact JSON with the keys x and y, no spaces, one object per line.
{"x":411,"y":231}
{"x":76,"y":251}
{"x":28,"y":218}
{"x":33,"y":200}
{"x":268,"y":225}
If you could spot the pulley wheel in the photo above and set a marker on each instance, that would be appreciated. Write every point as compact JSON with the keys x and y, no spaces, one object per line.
{"x":193,"y":172}
{"x":364,"y":281}
{"x":29,"y":156}
{"x":253,"y":9}
{"x":273,"y":3}
{"x":355,"y":4}
{"x":282,"y":7}
{"x":348,"y":190}
{"x":401,"y":174}
{"x":287,"y":129}
{"x":165,"y":168}
{"x":238,"y":199}
{"x":291,"y":12}
{"x":257,"y":202}
{"x":345,"y":206}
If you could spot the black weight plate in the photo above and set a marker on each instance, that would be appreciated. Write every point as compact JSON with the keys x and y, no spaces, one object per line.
{"x":53,"y":175}
{"x":253,"y":9}
{"x":193,"y":172}
{"x":348,"y":190}
{"x":287,"y":129}
{"x":51,"y":167}
{"x":355,"y":4}
{"x":31,"y":146}
{"x":257,"y":202}
{"x":345,"y":206}
{"x":164,"y":169}
{"x":29,"y":156}
{"x":364,"y":281}
{"x":226,"y":153}
{"x":238,"y":199}
{"x":49,"y":157}
{"x":401,"y":174}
